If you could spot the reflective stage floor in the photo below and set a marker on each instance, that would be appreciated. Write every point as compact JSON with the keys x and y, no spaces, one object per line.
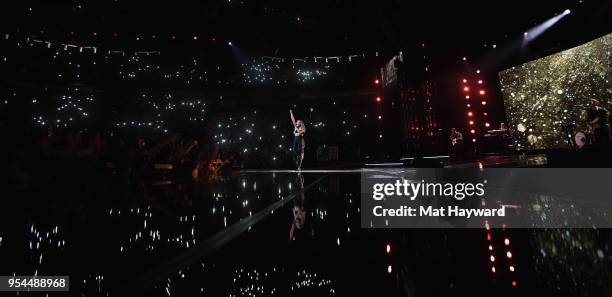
{"x":273,"y":233}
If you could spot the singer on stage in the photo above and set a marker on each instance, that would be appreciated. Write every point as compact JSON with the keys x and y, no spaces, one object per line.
{"x":299,"y":129}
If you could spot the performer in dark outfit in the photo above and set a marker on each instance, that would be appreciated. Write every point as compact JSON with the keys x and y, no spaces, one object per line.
{"x":299,"y":129}
{"x":597,"y":120}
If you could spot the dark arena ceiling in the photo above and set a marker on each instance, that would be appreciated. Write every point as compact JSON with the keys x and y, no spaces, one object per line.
{"x":298,"y":28}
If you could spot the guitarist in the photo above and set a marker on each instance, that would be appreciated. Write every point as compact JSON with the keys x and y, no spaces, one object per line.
{"x":597,"y":120}
{"x":456,"y":148}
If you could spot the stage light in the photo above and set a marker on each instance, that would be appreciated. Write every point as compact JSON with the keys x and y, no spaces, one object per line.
{"x":492,"y":258}
{"x":464,"y":80}
{"x":467,"y":96}
{"x":465,"y":89}
{"x":468,"y":105}
{"x":482,"y":92}
{"x":487,"y":125}
{"x":380,"y":136}
{"x":567,"y":11}
{"x":480,"y":81}
{"x":490,"y":247}
{"x":472,"y":131}
{"x":115,"y":34}
{"x":173,"y":37}
{"x":514,"y":283}
{"x":509,"y":255}
{"x":378,"y":99}
{"x":488,"y":236}
{"x":471,"y":122}
{"x":464,"y":58}
{"x":470,"y":114}
{"x":511,"y":268}
{"x":388,"y":248}
{"x":389,"y":269}
{"x":94,"y":34}
{"x":376,"y":81}
{"x":153,"y":36}
{"x":478,"y":71}
{"x":507,"y":241}
{"x":71,"y":32}
{"x":229,"y":43}
{"x":380,"y":117}
{"x":484,"y":102}
{"x":493,"y":269}
{"x":473,"y":139}
{"x":195,"y":37}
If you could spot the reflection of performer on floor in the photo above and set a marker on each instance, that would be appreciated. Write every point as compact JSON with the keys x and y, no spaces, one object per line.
{"x":299,"y":212}
{"x":299,"y":129}
{"x":597,"y":121}
{"x":456,"y":139}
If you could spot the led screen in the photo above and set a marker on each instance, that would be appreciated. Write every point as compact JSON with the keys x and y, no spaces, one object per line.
{"x":546,"y":99}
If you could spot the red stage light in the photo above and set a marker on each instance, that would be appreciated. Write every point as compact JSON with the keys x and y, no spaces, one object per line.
{"x":484,"y":102}
{"x":480,"y":81}
{"x":376,"y":81}
{"x":511,"y":268}
{"x":467,"y":96}
{"x":473,"y":139}
{"x":490,"y":247}
{"x":472,"y":131}
{"x":487,"y":125}
{"x":509,"y":255}
{"x":471,"y":122}
{"x":389,"y":269}
{"x":482,"y":92}
{"x":492,"y":258}
{"x":507,"y":241}
{"x":468,"y":105}
{"x":465,"y":89}
{"x":464,"y":80}
{"x":388,"y":248}
{"x":514,"y":283}
{"x":493,"y":269}
{"x":470,"y":114}
{"x":378,"y":99}
{"x":489,"y":236}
